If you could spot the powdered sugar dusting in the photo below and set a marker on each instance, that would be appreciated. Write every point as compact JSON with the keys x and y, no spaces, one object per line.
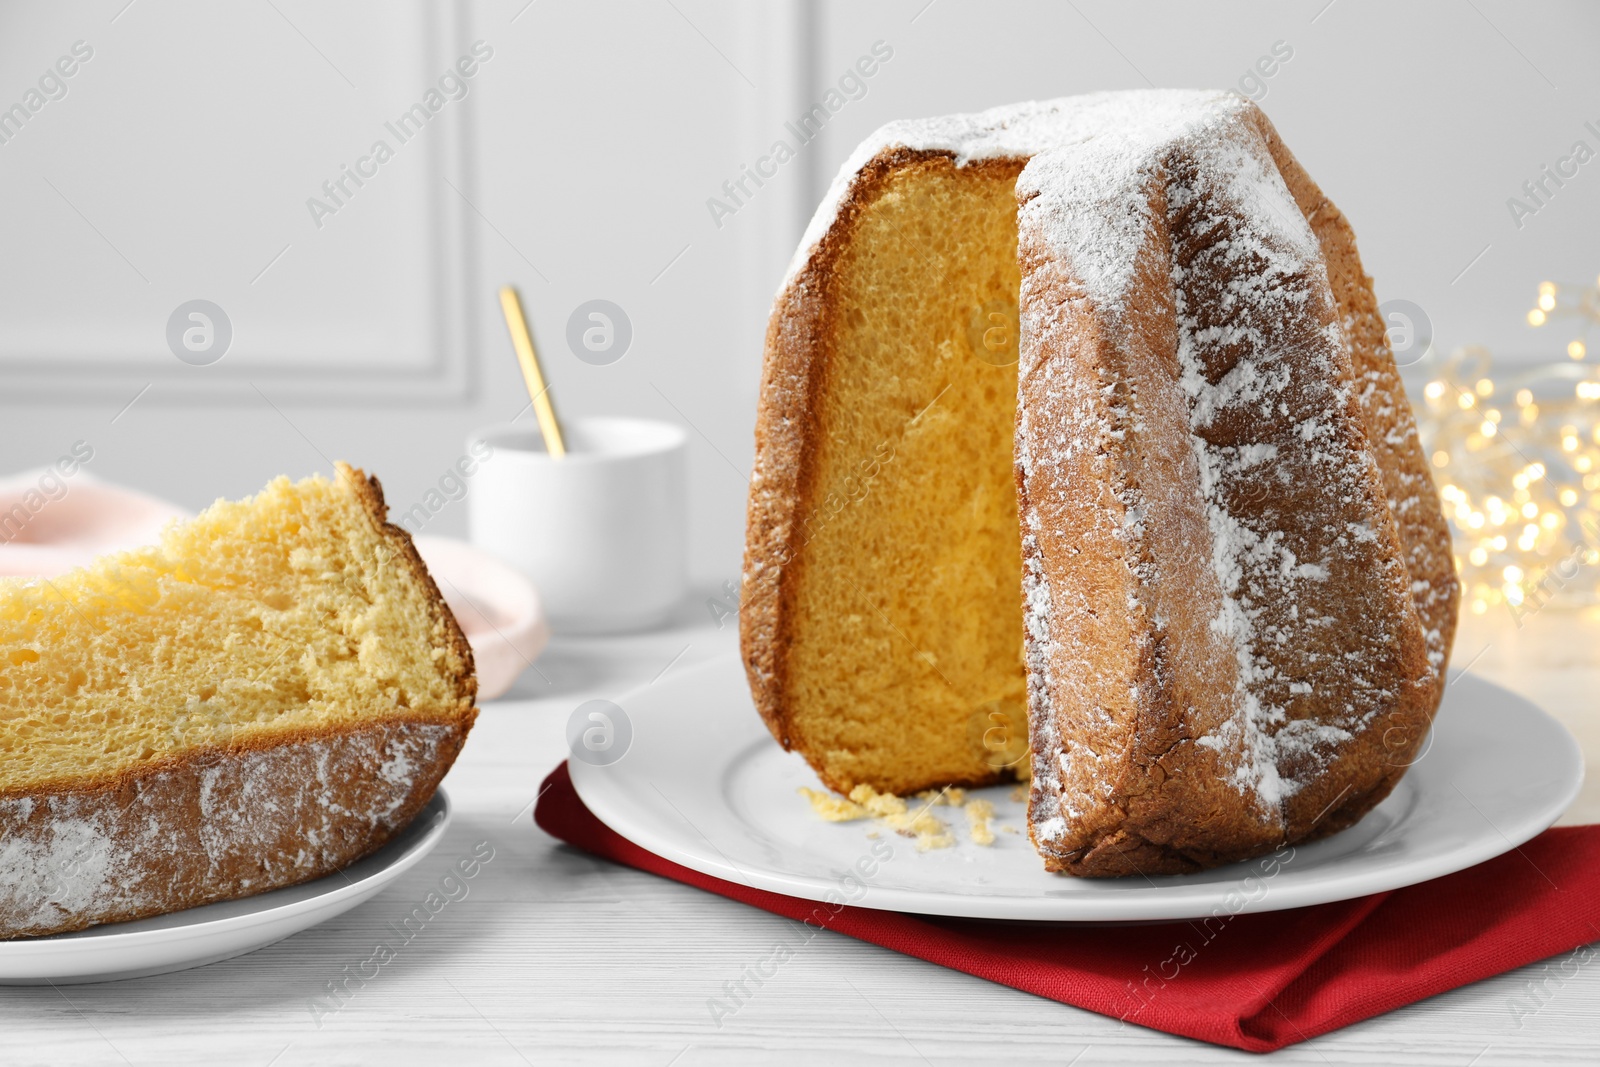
{"x":63,"y":871}
{"x":1014,"y":131}
{"x":1262,"y":371}
{"x":1044,"y":736}
{"x":1273,"y":264}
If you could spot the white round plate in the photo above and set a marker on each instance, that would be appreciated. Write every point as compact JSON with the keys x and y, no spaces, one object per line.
{"x":704,"y":785}
{"x":220,"y":931}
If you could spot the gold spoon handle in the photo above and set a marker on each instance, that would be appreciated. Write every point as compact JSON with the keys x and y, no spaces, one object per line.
{"x":528,"y":358}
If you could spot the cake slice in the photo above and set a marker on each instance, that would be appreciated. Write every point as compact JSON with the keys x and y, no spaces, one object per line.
{"x":264,"y":697}
{"x":1202,"y":508}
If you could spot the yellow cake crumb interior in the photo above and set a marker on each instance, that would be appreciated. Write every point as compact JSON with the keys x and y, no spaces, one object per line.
{"x":905,"y":669}
{"x":285,"y":612}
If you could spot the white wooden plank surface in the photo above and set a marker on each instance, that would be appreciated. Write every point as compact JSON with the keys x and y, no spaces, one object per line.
{"x":555,"y":957}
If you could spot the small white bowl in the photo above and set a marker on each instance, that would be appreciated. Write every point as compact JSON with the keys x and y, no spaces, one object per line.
{"x":602,"y":532}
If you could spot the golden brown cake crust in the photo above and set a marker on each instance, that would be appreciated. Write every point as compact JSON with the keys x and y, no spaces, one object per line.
{"x":232,"y":821}
{"x":1391,"y":424}
{"x":1347,"y":665}
{"x":799,"y":349}
{"x":1393,"y":439}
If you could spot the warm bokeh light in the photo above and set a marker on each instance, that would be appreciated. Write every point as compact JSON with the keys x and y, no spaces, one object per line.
{"x":1517,"y":462}
{"x":1580,"y":301}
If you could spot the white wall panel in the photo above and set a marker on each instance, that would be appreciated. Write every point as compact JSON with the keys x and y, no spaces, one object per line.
{"x":580,"y":166}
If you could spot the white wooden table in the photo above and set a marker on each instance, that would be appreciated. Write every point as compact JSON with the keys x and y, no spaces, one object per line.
{"x":556,"y":957}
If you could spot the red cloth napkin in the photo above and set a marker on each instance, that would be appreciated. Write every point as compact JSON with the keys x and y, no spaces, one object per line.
{"x":1253,"y":981}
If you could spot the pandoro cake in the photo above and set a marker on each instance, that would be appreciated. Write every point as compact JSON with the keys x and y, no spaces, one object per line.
{"x":1081,"y":457}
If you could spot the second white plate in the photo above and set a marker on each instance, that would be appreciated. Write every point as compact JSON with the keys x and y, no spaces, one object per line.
{"x":704,"y":785}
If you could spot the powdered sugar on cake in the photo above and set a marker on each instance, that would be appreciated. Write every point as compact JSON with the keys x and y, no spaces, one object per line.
{"x":1015,"y":131}
{"x":1247,"y":278}
{"x":1268,"y":256}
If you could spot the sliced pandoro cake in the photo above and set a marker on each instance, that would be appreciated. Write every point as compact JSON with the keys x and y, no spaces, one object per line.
{"x":1196,"y":538}
{"x":264,"y":697}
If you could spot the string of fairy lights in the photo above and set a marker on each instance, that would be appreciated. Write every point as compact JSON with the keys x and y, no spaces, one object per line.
{"x":1517,"y":461}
